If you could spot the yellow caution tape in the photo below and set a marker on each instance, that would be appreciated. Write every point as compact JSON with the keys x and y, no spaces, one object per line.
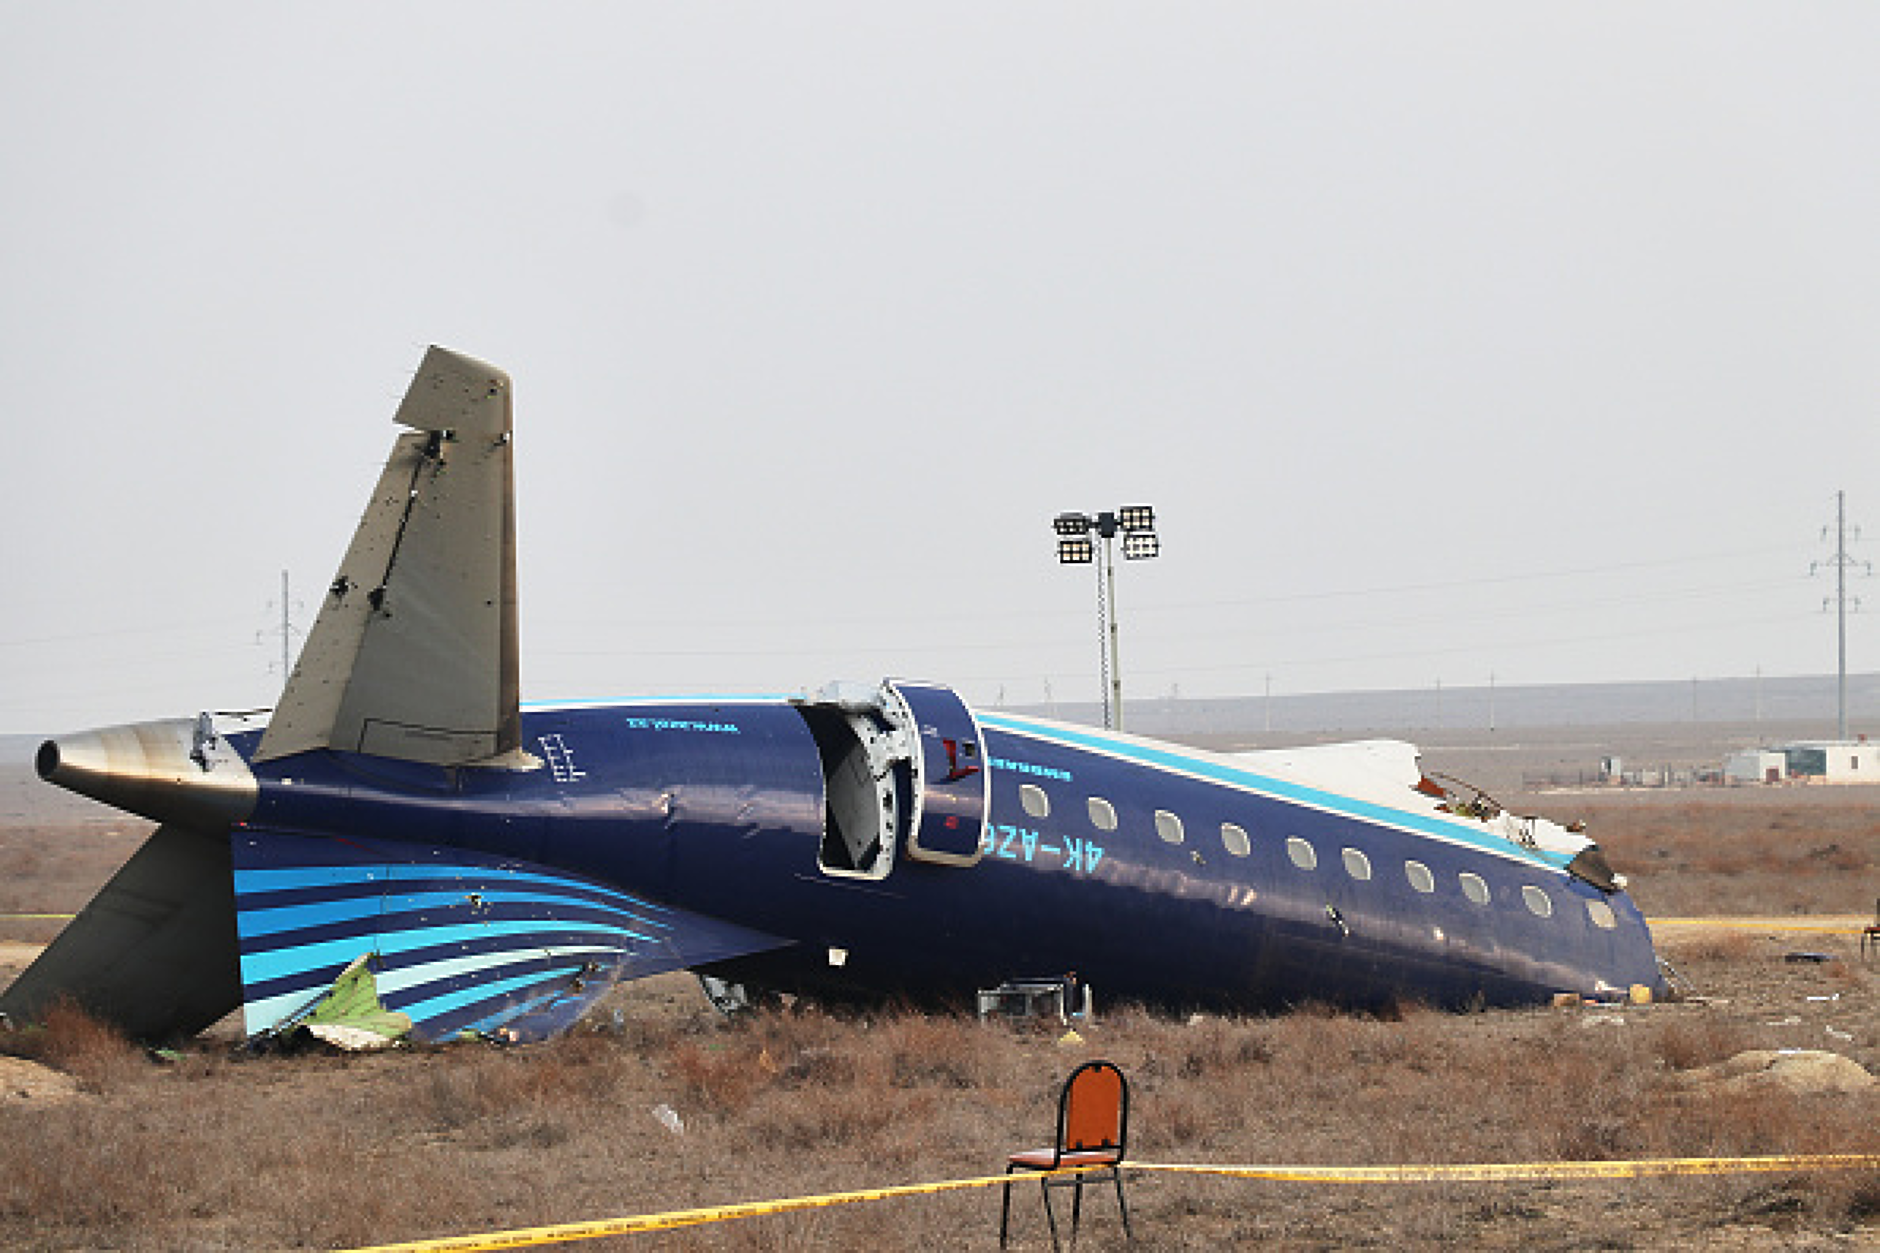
{"x":1839,"y":926}
{"x":524,"y":1236}
{"x":55,"y":917}
{"x":1494,"y":1172}
{"x":1468,"y":1173}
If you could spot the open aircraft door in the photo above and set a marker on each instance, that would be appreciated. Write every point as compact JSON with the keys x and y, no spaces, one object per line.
{"x":952,"y":788}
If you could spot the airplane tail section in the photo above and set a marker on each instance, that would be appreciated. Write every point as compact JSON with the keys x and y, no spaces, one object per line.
{"x":456,"y":941}
{"x":414,"y":652}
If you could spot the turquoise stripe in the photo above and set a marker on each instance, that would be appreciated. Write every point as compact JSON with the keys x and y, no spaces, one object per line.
{"x":456,"y":967}
{"x":320,"y":954}
{"x":327,"y":954}
{"x":279,"y":879}
{"x":1220,"y":772}
{"x":263,"y":1015}
{"x":437,"y":1006}
{"x":254,"y":923}
{"x":251,"y":923}
{"x":511,"y":1012}
{"x":404,"y":901}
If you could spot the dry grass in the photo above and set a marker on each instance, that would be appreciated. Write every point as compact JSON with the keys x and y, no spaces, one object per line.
{"x":317,"y":1151}
{"x":1738,"y":851}
{"x":225,"y":1151}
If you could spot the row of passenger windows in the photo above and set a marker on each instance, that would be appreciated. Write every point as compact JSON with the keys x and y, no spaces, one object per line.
{"x":1302,"y":854}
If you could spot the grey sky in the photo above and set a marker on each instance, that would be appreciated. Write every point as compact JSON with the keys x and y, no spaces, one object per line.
{"x":1448,"y":339}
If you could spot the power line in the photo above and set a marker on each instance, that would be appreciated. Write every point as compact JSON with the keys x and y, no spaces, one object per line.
{"x":1842,"y":561}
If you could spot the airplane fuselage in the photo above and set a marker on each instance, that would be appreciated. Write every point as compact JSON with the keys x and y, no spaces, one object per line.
{"x":1155,"y":873}
{"x":404,"y":836}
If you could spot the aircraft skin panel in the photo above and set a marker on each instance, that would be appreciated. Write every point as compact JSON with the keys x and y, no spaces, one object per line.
{"x":661,"y":798}
{"x":1390,"y":933}
{"x":510,"y":937}
{"x":1216,"y":768}
{"x":343,"y":911}
{"x":413,"y":942}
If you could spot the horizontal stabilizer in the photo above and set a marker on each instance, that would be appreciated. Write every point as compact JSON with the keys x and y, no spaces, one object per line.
{"x":154,"y":951}
{"x":457,"y":941}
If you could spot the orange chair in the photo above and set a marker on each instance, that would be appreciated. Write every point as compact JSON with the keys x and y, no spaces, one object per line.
{"x":1092,"y":1131}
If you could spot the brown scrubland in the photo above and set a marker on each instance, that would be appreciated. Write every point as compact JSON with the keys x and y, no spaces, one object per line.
{"x":661,"y":1104}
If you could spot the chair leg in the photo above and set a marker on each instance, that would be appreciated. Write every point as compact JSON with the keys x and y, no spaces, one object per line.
{"x":1077,"y":1206}
{"x":1044,"y":1187}
{"x":1128,"y":1235}
{"x":1005,"y":1208}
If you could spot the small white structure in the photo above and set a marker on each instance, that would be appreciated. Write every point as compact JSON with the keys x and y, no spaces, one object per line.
{"x":1824,"y":761}
{"x":1756,"y":765}
{"x":1834,"y":761}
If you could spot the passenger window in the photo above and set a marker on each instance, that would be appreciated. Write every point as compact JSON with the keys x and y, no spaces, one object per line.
{"x":1102,"y":814}
{"x":1538,"y":902}
{"x":1168,"y":826}
{"x":1473,"y":887}
{"x":1601,"y":914}
{"x":1303,"y":855}
{"x":1357,"y":865}
{"x":1033,"y":798}
{"x":1234,"y":840}
{"x":1420,"y":877}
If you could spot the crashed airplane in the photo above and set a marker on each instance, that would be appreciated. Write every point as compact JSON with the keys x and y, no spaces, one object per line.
{"x":403,"y":831}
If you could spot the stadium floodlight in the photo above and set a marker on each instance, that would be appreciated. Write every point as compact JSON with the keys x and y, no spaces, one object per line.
{"x":1076,"y":552}
{"x":1136,"y":524}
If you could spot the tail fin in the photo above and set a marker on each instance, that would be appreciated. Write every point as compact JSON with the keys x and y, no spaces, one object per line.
{"x":414,"y":653}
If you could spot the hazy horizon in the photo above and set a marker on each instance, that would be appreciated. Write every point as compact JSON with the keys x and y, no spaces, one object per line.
{"x":1453,"y":343}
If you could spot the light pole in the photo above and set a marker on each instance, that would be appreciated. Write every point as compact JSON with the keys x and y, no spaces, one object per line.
{"x":1136,"y":524}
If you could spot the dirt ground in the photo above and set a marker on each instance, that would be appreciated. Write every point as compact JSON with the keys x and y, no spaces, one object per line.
{"x":664,"y":1105}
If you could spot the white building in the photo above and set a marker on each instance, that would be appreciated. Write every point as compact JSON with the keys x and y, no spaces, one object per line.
{"x":1834,"y":761}
{"x":1828,"y":761}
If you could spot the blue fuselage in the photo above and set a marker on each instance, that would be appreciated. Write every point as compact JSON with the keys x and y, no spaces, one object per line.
{"x":1153,"y":873}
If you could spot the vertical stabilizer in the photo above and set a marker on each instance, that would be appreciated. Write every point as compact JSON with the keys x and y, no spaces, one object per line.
{"x":414,"y":652}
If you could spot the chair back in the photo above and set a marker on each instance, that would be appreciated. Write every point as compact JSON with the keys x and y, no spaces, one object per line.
{"x":1093,"y":1110}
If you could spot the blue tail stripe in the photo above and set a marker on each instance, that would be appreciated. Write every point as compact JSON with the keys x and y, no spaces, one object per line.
{"x":426,"y":1009}
{"x":453,"y":971}
{"x":375,"y":876}
{"x":258,"y":921}
{"x":318,"y":965}
{"x":485,"y":1016}
{"x":269,"y":973}
{"x":254,"y":897}
{"x":456,"y":924}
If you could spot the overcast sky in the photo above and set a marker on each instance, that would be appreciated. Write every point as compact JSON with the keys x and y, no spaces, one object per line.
{"x":1448,"y":340}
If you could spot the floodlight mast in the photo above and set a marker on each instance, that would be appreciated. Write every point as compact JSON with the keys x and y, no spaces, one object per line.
{"x":1136,"y":524}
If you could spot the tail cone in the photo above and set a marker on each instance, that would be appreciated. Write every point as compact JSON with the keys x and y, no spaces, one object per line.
{"x":176,"y":770}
